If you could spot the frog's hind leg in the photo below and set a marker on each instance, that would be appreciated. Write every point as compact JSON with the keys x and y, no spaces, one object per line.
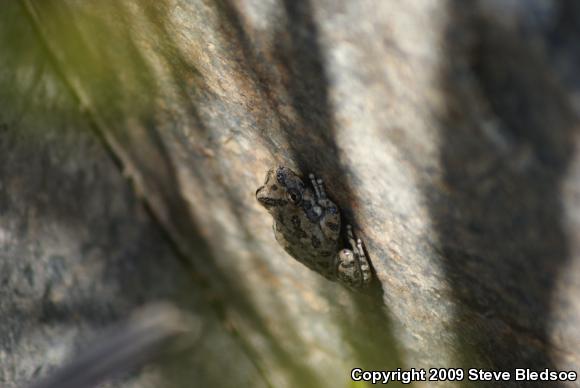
{"x":360,"y":256}
{"x":350,"y":237}
{"x":348,"y":269}
{"x":364,"y":263}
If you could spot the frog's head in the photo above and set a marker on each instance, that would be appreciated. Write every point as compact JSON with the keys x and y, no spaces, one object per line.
{"x":282,"y":187}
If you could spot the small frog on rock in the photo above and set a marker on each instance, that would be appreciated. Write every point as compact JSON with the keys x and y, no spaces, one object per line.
{"x":307,"y":225}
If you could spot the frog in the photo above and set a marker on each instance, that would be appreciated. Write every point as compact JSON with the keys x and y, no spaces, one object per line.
{"x":307,"y":224}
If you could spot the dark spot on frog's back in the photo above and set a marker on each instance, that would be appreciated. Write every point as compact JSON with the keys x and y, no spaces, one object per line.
{"x":323,"y":264}
{"x":333,"y":226}
{"x":296,"y":222}
{"x":281,"y":219}
{"x":315,"y":242}
{"x":300,"y":233}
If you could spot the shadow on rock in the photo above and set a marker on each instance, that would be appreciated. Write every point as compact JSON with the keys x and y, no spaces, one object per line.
{"x":499,"y":220}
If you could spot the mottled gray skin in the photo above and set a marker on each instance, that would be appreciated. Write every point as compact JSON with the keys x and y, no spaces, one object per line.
{"x":307,"y":225}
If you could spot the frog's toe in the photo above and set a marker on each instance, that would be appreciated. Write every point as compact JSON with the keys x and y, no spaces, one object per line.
{"x":365,"y":270}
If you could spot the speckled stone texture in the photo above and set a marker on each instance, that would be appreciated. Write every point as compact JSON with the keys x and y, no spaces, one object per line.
{"x":447,"y":132}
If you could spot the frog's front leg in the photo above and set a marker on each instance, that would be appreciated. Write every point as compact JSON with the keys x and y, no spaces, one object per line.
{"x":318,"y":186}
{"x":353,"y":266}
{"x":326,"y":209}
{"x":320,"y":199}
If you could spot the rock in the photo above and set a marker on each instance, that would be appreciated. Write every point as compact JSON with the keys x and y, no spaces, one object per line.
{"x":446,"y":131}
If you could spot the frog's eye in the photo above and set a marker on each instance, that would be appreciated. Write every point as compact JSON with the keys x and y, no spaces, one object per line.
{"x":294,"y":196}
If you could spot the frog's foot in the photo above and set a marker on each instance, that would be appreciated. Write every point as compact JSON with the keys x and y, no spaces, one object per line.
{"x":353,"y":267}
{"x":321,"y":199}
{"x":360,"y":253}
{"x":318,"y":185}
